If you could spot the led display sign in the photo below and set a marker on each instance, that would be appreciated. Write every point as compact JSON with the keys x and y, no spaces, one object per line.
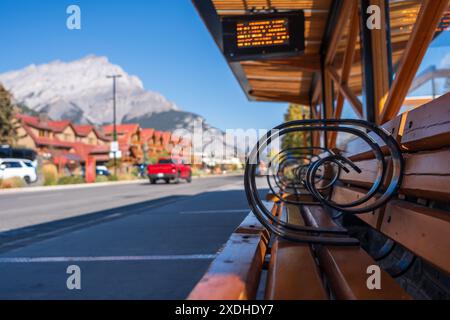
{"x":263,"y":36}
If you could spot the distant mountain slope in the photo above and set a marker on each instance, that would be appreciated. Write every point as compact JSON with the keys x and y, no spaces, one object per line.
{"x":80,"y":91}
{"x":168,"y":120}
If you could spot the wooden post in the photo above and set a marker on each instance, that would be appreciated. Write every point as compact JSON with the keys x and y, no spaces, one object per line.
{"x":375,"y":61}
{"x":380,"y":51}
{"x":327,"y":99}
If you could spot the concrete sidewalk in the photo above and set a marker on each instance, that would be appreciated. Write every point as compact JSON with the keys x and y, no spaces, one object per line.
{"x":70,"y":186}
{"x":90,"y":185}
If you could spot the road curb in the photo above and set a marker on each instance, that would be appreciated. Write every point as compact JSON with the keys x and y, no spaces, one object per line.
{"x":88,"y":185}
{"x":68,"y":187}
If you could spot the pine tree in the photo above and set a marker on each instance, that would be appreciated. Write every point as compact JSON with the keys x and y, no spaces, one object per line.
{"x":296,"y":139}
{"x":8,"y":124}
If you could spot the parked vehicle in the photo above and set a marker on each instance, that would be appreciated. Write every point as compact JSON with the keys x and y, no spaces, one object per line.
{"x":6,"y":152}
{"x":102,"y":171}
{"x":169,"y":169}
{"x":141,"y":170}
{"x":18,"y":168}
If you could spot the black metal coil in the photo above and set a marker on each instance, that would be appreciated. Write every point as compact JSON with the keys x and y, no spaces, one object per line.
{"x":301,"y":172}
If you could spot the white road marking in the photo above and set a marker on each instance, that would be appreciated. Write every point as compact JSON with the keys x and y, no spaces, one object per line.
{"x":215,"y":211}
{"x":107,"y":259}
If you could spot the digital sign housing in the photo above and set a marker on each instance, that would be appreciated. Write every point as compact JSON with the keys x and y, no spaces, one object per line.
{"x":263,"y":36}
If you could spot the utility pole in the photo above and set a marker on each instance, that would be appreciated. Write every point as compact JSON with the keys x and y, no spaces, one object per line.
{"x":114,"y":77}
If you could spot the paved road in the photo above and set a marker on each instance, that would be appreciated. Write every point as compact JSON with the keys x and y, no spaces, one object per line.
{"x":130,"y":241}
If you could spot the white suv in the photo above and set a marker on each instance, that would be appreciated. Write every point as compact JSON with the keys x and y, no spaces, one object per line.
{"x":18,"y":168}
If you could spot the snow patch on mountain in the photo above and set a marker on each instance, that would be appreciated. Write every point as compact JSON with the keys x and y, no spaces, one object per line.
{"x":81,"y":91}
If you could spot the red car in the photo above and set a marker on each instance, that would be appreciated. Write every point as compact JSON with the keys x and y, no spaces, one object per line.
{"x":169,"y":169}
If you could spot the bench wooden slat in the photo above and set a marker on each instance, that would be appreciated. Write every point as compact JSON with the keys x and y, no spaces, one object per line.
{"x":294,"y":216}
{"x":346,"y":267}
{"x":427,"y":175}
{"x":346,"y":270}
{"x":428,"y":127}
{"x":369,"y":172}
{"x":422,"y":230}
{"x":314,"y":216}
{"x":293,"y":273}
{"x":235,"y":273}
{"x":251,"y":225}
{"x":349,"y":194}
{"x":357,"y":149}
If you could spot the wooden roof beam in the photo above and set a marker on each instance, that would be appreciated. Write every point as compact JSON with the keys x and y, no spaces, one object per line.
{"x":427,"y":21}
{"x":338,"y":30}
{"x":280,"y":96}
{"x":349,"y":57}
{"x":310,"y":63}
{"x":333,"y":33}
{"x":346,"y":92}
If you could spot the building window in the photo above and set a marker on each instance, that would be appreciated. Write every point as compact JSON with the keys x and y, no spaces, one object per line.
{"x":44,"y":133}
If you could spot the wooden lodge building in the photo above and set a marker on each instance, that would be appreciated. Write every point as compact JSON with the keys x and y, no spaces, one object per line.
{"x":63,"y":143}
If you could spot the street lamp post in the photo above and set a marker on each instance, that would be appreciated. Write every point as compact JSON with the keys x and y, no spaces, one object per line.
{"x":114,"y":77}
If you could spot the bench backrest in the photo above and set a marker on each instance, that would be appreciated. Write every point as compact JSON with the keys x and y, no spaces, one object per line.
{"x":412,"y":220}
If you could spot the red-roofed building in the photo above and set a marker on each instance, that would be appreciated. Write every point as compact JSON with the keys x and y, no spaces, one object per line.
{"x":65,"y":142}
{"x":90,"y":135}
{"x":61,"y":141}
{"x":147,"y":136}
{"x":129,"y":139}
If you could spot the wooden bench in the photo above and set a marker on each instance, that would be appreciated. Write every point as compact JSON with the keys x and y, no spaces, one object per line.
{"x":235,"y":273}
{"x":413,"y":220}
{"x":417,"y":221}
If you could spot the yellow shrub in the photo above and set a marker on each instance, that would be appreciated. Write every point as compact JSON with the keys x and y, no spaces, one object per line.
{"x":50,"y":173}
{"x":126,"y":177}
{"x":12,"y":183}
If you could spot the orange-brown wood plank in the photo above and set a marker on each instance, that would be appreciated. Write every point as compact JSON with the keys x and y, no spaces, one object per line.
{"x":346,"y":267}
{"x":235,"y":273}
{"x":346,"y":270}
{"x":424,"y":29}
{"x":428,"y":127}
{"x":427,"y":175}
{"x":344,"y":195}
{"x":316,"y":216}
{"x":293,"y":273}
{"x":358,"y":149}
{"x":423,"y":230}
{"x":294,"y":216}
{"x":369,"y":172}
{"x":251,"y":225}
{"x":380,"y":63}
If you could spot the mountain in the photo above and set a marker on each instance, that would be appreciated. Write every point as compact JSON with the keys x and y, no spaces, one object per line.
{"x":80,"y":91}
{"x":186,"y":123}
{"x":168,"y":120}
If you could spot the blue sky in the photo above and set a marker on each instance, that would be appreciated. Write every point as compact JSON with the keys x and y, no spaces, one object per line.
{"x":162,"y":42}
